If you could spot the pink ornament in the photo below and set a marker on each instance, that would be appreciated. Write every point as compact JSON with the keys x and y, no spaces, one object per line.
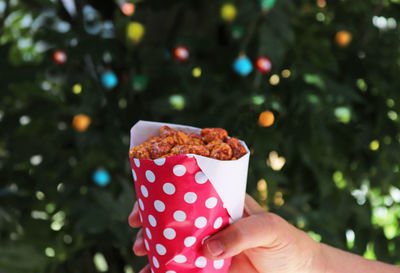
{"x":263,"y":64}
{"x":59,"y":56}
{"x":181,"y":53}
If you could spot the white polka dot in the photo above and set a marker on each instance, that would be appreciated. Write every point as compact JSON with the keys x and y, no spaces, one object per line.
{"x":159,"y":206}
{"x":190,"y":197}
{"x":137,"y":162}
{"x":144,"y":191}
{"x":201,"y":178}
{"x":134,"y":175}
{"x":170,"y":271}
{"x":146,"y":244}
{"x":150,"y":176}
{"x":152,"y":271}
{"x":205,"y":238}
{"x":148,"y":233}
{"x":141,"y":219}
{"x":200,"y":262}
{"x":200,"y":222}
{"x":152,"y":220}
{"x":180,"y":259}
{"x":218,"y":223}
{"x":141,"y":204}
{"x":155,"y":262}
{"x":161,"y":249}
{"x":160,"y":161}
{"x":179,"y":216}
{"x":169,"y":233}
{"x":169,"y":188}
{"x":218,"y":264}
{"x":230,"y":220}
{"x":179,"y":170}
{"x":211,"y":202}
{"x":189,"y":241}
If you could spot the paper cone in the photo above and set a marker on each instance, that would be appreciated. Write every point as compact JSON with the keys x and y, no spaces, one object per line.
{"x":184,"y":199}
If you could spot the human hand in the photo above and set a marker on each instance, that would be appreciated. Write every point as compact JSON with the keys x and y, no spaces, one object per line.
{"x":259,"y":242}
{"x":264,"y":242}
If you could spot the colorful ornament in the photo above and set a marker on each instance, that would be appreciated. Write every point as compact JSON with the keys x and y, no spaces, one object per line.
{"x":228,"y":12}
{"x":177,"y":101}
{"x":242,"y":65}
{"x":181,"y":53}
{"x":77,"y":89}
{"x":196,"y":72}
{"x":266,"y":119}
{"x":59,"y":57}
{"x":263,"y":64}
{"x":81,"y":122}
{"x":139,"y":82}
{"x":267,"y":4}
{"x":135,"y":32}
{"x":101,"y":177}
{"x":109,"y":79}
{"x":343,"y":38}
{"x":128,"y":8}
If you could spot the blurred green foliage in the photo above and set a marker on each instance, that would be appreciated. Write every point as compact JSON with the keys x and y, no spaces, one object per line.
{"x":334,"y":166}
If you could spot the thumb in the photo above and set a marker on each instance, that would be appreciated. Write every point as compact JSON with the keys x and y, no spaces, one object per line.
{"x":262,"y":229}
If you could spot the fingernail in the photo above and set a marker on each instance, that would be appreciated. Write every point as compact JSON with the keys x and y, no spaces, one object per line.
{"x":215,"y":247}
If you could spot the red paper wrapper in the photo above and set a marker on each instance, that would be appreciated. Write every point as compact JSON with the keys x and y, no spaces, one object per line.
{"x":180,"y":207}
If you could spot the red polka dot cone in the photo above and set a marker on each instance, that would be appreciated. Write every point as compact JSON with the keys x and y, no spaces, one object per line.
{"x":183,"y":200}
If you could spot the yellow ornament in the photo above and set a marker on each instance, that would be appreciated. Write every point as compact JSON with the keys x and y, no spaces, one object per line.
{"x":77,"y":89}
{"x":343,"y":38}
{"x":266,"y":119}
{"x":81,"y":122}
{"x":228,"y":12}
{"x":196,"y":72}
{"x":135,"y":32}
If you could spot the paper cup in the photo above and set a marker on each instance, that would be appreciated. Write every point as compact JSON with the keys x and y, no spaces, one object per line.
{"x":183,"y":200}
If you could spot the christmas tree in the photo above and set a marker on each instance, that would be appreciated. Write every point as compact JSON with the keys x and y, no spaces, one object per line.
{"x":311,"y":86}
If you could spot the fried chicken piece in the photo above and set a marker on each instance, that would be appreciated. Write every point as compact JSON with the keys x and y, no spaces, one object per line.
{"x":238,"y":149}
{"x":161,"y":147}
{"x":153,"y":139}
{"x":221,"y":151}
{"x":166,"y":131}
{"x":181,"y":138}
{"x":167,"y":155}
{"x":210,"y":134}
{"x":190,"y":149}
{"x":140,"y":151}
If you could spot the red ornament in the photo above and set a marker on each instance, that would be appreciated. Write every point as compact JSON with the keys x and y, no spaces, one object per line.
{"x":263,"y":64}
{"x":59,"y":56}
{"x":181,"y":53}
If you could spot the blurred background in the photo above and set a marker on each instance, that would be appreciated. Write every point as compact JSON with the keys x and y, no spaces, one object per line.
{"x":312,"y":86}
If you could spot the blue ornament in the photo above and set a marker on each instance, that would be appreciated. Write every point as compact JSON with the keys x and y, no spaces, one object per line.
{"x":243,"y":66}
{"x":101,"y":177}
{"x":109,"y":79}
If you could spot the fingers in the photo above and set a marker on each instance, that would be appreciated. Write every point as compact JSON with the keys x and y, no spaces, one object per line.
{"x":134,"y":218}
{"x":251,"y":206}
{"x":139,"y":247}
{"x":242,"y":264}
{"x":146,"y":269}
{"x":263,"y":229}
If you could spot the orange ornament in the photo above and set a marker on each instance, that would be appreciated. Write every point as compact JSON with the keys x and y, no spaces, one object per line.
{"x":128,"y":8}
{"x":343,"y":38}
{"x":81,"y":122}
{"x":266,"y":119}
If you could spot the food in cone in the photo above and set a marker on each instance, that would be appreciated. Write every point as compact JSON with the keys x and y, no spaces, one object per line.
{"x":190,"y":183}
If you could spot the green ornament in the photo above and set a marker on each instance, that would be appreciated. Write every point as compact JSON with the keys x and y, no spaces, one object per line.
{"x":237,"y":31}
{"x":139,"y":82}
{"x":177,"y":102}
{"x":343,"y":114}
{"x":267,"y":4}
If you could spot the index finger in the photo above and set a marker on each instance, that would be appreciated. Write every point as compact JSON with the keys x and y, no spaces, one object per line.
{"x":251,"y":206}
{"x":134,"y":218}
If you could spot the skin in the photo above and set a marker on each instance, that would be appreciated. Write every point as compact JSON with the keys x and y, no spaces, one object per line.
{"x":263,"y":242}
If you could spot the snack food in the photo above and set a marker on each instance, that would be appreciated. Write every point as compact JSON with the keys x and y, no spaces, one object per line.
{"x":211,"y":142}
{"x":190,"y":183}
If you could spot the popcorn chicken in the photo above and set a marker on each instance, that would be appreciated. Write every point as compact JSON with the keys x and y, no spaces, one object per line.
{"x":221,"y":151}
{"x":161,"y":147}
{"x":181,"y":137}
{"x":210,"y":134}
{"x":238,"y":149}
{"x":166,"y":131}
{"x":190,"y":149}
{"x":139,"y":151}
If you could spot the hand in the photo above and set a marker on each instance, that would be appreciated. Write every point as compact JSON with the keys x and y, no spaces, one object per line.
{"x":264,"y":242}
{"x":260,"y":242}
